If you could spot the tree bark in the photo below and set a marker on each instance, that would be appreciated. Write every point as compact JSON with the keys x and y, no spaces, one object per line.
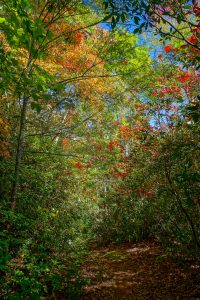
{"x":19,"y":154}
{"x":20,"y":142}
{"x":184,"y":211}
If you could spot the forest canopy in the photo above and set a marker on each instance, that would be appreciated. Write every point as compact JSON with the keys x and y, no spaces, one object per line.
{"x":99,"y":135}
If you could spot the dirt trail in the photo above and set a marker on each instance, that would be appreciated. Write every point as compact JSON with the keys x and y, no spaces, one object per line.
{"x":139,"y":272}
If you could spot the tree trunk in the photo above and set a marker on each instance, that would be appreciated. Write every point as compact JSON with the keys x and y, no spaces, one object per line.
{"x":177,"y":197}
{"x":19,"y":153}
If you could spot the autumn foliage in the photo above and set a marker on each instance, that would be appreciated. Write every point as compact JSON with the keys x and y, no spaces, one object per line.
{"x":99,"y":135}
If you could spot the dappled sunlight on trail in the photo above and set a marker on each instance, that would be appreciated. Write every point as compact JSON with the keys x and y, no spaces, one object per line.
{"x":138,"y":272}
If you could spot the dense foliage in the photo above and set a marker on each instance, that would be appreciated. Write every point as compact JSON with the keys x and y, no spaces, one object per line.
{"x":99,"y":136}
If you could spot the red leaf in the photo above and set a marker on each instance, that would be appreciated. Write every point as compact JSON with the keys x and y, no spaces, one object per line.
{"x":168,"y":48}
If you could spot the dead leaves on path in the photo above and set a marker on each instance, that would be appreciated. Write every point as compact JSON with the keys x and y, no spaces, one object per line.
{"x":138,"y":272}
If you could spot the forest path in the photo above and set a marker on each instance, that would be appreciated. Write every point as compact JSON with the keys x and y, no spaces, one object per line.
{"x":138,"y":272}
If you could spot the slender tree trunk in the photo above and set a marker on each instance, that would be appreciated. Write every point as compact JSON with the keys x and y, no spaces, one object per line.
{"x":20,"y":142}
{"x":177,"y":197}
{"x":19,"y":153}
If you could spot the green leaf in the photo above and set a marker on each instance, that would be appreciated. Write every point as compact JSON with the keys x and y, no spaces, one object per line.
{"x":179,"y":19}
{"x":15,"y":297}
{"x":113,"y":24}
{"x":118,"y":18}
{"x":136,"y":30}
{"x":36,"y":106}
{"x":105,"y":4}
{"x":187,"y":6}
{"x":144,"y":5}
{"x":2,"y":20}
{"x":123,"y":17}
{"x":136,"y":20}
{"x":126,"y":8}
{"x":107,"y":17}
{"x":47,"y":97}
{"x":58,"y":87}
{"x":20,"y":31}
{"x":15,"y":39}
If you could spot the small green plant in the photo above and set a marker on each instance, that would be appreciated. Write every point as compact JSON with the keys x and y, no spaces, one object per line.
{"x":116,"y":256}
